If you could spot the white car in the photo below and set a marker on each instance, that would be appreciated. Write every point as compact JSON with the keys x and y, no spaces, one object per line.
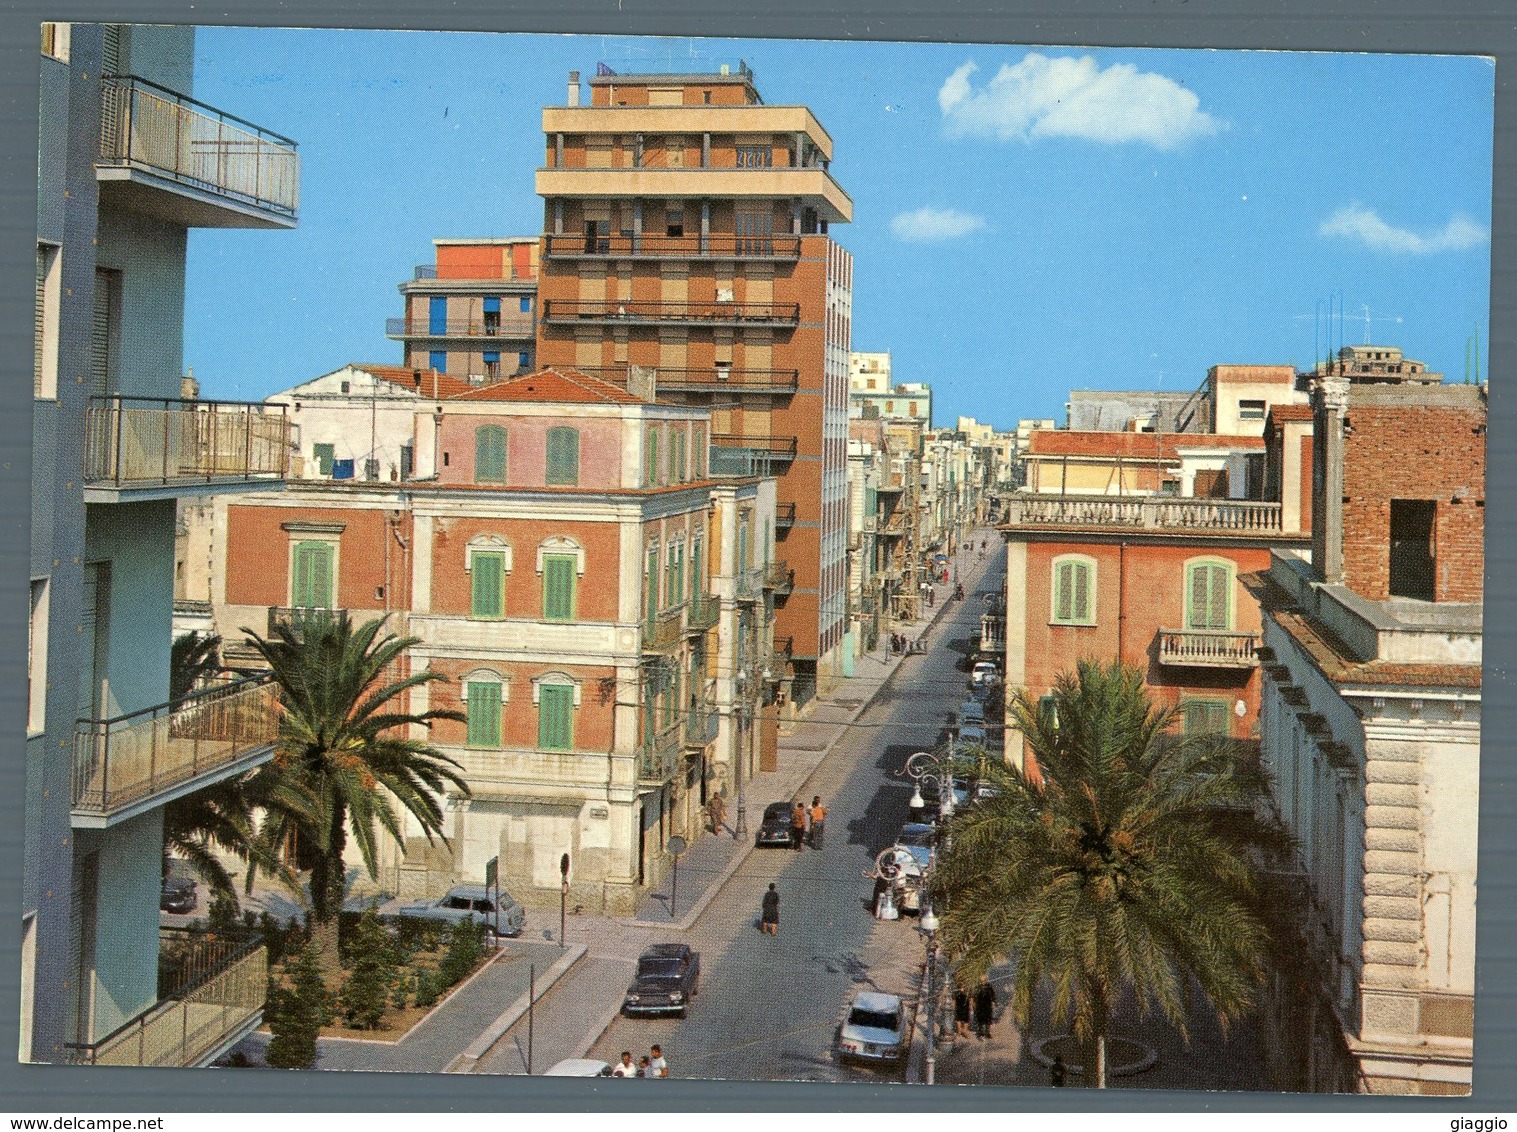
{"x":984,"y":674}
{"x":874,"y":1029}
{"x":579,"y":1067}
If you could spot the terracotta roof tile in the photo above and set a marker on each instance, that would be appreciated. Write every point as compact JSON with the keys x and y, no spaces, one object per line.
{"x":433,"y":384}
{"x":553,"y":386}
{"x":1290,"y":412}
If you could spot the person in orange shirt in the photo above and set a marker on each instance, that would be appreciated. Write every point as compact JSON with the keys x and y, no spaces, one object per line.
{"x":818,"y":816}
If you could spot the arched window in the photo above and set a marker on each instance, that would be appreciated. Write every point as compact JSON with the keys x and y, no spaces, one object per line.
{"x":487,"y":559}
{"x":483,"y":694}
{"x":489,"y":454}
{"x":556,"y":695}
{"x":1073,"y":586}
{"x":560,"y":562}
{"x":563,"y":456}
{"x":1209,"y":593}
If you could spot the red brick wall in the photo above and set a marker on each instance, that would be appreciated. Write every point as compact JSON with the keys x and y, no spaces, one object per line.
{"x":596,"y":599}
{"x":1434,"y":452}
{"x":258,"y":555}
{"x":594,"y":719}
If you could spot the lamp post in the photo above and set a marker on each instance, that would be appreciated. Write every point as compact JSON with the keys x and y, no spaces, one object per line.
{"x":929,"y":924}
{"x":935,"y":769}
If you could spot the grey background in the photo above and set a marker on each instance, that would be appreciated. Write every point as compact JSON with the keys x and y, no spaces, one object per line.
{"x":1436,"y":26}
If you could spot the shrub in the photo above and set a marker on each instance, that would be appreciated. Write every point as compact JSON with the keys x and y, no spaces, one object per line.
{"x":372,"y":959}
{"x":296,"y":1015}
{"x":428,"y":989}
{"x":466,"y":946}
{"x":224,"y":916}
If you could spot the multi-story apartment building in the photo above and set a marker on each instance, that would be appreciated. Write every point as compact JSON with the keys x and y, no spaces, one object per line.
{"x":599,"y":607}
{"x":872,"y":395}
{"x":129,"y":163}
{"x":868,"y":467}
{"x":686,"y":231}
{"x":1370,"y":728}
{"x":473,"y":313}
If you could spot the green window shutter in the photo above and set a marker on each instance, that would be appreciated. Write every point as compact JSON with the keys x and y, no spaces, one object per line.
{"x":559,"y":572}
{"x":1209,"y":592}
{"x":679,"y":572}
{"x":325,"y":454}
{"x":1221,"y":607}
{"x":490,"y":454}
{"x":563,"y":456}
{"x":311,"y":587}
{"x":1205,"y":717}
{"x":651,"y":597}
{"x":484,"y":714}
{"x":697,"y":555}
{"x":650,"y":456}
{"x":1081,"y":573}
{"x":1063,"y":607}
{"x":555,"y":717}
{"x":678,"y":470}
{"x":487,"y":592}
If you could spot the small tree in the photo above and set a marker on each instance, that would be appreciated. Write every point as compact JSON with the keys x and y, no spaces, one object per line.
{"x":296,"y":1015}
{"x":367,"y":989}
{"x":466,"y":948}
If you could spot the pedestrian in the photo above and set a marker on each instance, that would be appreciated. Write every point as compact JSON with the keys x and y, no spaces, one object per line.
{"x":797,"y":826}
{"x":1056,"y":1072}
{"x":984,"y":1008}
{"x":645,"y":1066}
{"x":818,"y":816}
{"x":659,"y":1066}
{"x":625,"y":1068}
{"x":716,"y":807}
{"x":769,"y":922}
{"x":960,"y":1012}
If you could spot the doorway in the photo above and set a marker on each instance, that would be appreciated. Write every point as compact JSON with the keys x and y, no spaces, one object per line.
{"x":1412,"y":549}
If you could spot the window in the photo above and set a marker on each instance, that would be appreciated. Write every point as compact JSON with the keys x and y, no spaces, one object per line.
{"x":1251,"y":410}
{"x":697,"y":562}
{"x":525,"y":304}
{"x":438,"y":360}
{"x":1074,"y":588}
{"x":311,"y":576}
{"x":492,"y":316}
{"x":754,"y":157}
{"x":674,"y":222}
{"x":674,"y":585}
{"x":36,"y":657}
{"x":650,"y":582}
{"x":560,"y":572}
{"x":490,"y":454}
{"x":523,"y":360}
{"x":698,"y":444}
{"x":650,"y":457}
{"x":1209,"y":594}
{"x":598,"y":233}
{"x":1048,"y":711}
{"x":677,"y":455}
{"x":1205,"y":717}
{"x":563,"y":456}
{"x":482,"y":703}
{"x":492,"y":365}
{"x":487,"y":568}
{"x":437,"y":315}
{"x":45,"y":356}
{"x":754,"y":231}
{"x":556,"y":696}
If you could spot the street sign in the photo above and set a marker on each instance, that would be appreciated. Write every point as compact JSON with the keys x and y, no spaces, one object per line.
{"x":677,"y":845}
{"x":492,"y":871}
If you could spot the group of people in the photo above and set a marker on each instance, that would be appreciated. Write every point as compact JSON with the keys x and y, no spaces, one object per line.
{"x":900,"y":644}
{"x":979,"y":1007}
{"x":651,"y":1064}
{"x":806,"y":823}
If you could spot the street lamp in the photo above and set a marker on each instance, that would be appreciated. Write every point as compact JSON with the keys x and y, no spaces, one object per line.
{"x":929,"y":924}
{"x":936,"y":769}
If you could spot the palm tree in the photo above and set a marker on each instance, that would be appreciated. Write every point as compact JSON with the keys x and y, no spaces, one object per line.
{"x":193,"y":659}
{"x":343,"y":736}
{"x":1124,"y":864}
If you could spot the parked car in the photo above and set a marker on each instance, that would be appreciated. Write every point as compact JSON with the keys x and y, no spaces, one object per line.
{"x":973,"y":735}
{"x":984,"y":672}
{"x":874,"y":1029}
{"x":668,"y":977}
{"x":579,"y":1067}
{"x":774,"y":829}
{"x":472,"y":902}
{"x":971,"y":711}
{"x":918,"y":839}
{"x":178,"y":896}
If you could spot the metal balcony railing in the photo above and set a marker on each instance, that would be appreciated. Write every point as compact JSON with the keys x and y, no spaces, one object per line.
{"x":148,"y":126}
{"x":784,"y":517}
{"x":782,"y":650}
{"x":650,"y":246}
{"x":133,"y":758}
{"x":688,"y":313}
{"x":663,"y":632}
{"x":1154,"y":513}
{"x":517,"y":326}
{"x":296,"y":617}
{"x":220,"y":998}
{"x":715,"y":379}
{"x":779,"y":577}
{"x":659,"y":757}
{"x":703,"y":719}
{"x":428,"y":271}
{"x":748,"y":584}
{"x":143,"y":442}
{"x":704,"y":614}
{"x":1207,"y":648}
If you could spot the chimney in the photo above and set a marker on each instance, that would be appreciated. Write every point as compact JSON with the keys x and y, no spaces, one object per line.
{"x":642,"y":382}
{"x":573,"y":88}
{"x":189,"y":388}
{"x":416,"y":377}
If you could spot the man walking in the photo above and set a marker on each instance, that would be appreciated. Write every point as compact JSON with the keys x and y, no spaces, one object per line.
{"x":659,"y":1066}
{"x":625,"y":1068}
{"x":716,"y":806}
{"x":984,"y":1008}
{"x":769,"y":922}
{"x":797,"y":826}
{"x":818,"y":816}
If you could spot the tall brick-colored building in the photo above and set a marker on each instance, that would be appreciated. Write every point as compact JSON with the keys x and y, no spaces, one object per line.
{"x":686,"y":230}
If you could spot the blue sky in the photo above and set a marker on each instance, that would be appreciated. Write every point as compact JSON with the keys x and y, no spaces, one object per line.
{"x":1026,"y":220}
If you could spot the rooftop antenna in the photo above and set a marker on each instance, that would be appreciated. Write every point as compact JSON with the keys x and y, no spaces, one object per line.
{"x":1368,"y":319}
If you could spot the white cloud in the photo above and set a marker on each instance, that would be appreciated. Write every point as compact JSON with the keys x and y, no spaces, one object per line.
{"x":926,"y":225}
{"x":1043,"y":97}
{"x":1355,"y":222}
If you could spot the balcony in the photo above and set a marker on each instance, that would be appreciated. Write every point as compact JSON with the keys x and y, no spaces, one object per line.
{"x":656,"y":313}
{"x":658,"y":758}
{"x":1207,"y":648}
{"x":810,"y":183}
{"x":704,"y":614}
{"x":703,"y":719}
{"x":132,"y":763}
{"x":188,"y":163}
{"x":1144,"y":513}
{"x":780,"y":653}
{"x":294,"y":618}
{"x":718,"y":379}
{"x":779,"y":577}
{"x":748,"y":584}
{"x":461,"y":330}
{"x":213,"y":996}
{"x":784,"y":518}
{"x":750,"y":455}
{"x":653,"y":246}
{"x":427,"y":272}
{"x":661,"y":634}
{"x":138,"y":448}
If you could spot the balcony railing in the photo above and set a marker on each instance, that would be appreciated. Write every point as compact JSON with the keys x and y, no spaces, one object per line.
{"x":781,"y":652}
{"x":1207,"y":648}
{"x":219,"y":999}
{"x":659,"y":756}
{"x":702,"y":721}
{"x":784,"y":518}
{"x":650,"y":246}
{"x":662,"y":633}
{"x":733,"y":455}
{"x":428,"y":271}
{"x":688,"y":313}
{"x":715,"y":379}
{"x":748,"y":584}
{"x":145,"y":442}
{"x":704,"y":614}
{"x":1154,"y":513}
{"x":421,"y":328}
{"x":779,"y":577}
{"x":295,"y":618}
{"x":134,"y":758}
{"x":148,"y":126}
